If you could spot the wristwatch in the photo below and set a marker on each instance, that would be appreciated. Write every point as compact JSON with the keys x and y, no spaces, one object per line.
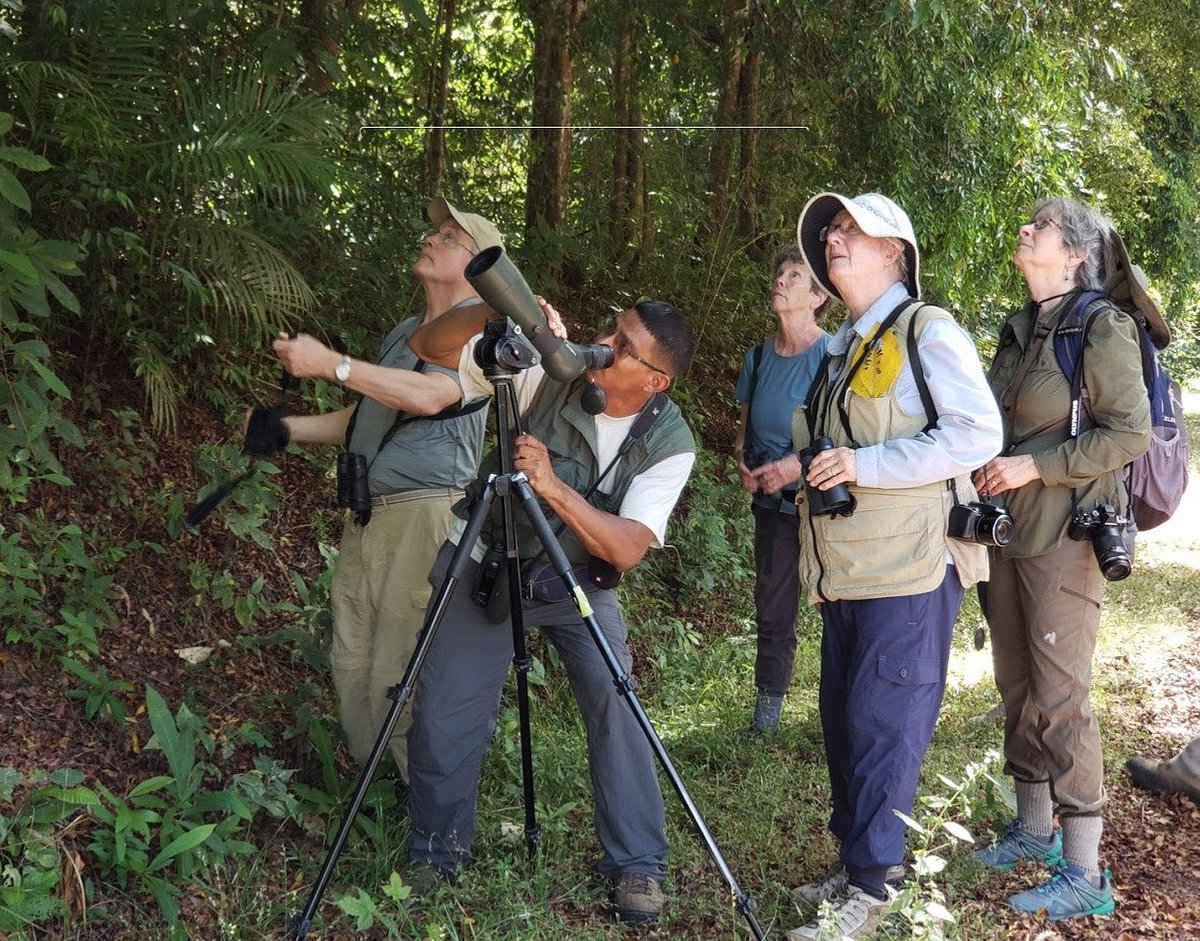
{"x":342,"y":372}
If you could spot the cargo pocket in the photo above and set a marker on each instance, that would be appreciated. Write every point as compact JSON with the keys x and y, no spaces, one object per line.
{"x":903,"y":688}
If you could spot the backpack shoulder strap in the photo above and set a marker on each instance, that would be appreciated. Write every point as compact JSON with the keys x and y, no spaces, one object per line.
{"x":918,"y":371}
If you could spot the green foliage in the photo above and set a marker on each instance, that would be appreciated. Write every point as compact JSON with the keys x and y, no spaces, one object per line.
{"x":31,"y":273}
{"x":58,"y":593}
{"x":99,"y":694}
{"x":32,"y":861}
{"x":168,"y":828}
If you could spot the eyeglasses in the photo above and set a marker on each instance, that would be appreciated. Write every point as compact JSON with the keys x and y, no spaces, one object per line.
{"x":1040,"y":224}
{"x":621,"y":345}
{"x":847,"y":228}
{"x":447,"y":239}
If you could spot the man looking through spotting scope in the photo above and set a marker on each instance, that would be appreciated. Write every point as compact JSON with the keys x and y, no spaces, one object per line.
{"x":607,"y":483}
{"x":418,"y":438}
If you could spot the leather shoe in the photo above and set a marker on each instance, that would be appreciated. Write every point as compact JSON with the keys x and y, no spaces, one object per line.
{"x":1160,"y":777}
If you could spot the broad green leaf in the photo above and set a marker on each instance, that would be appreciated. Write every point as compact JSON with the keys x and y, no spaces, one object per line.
{"x":180,"y":751}
{"x":958,"y":831}
{"x":25,"y":159}
{"x":182,"y":844}
{"x":52,"y":381}
{"x":12,"y":190}
{"x":19,"y":264}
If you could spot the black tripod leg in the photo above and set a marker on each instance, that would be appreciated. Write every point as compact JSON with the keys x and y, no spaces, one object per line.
{"x":522,"y":662}
{"x":399,"y":695}
{"x":554,"y":551}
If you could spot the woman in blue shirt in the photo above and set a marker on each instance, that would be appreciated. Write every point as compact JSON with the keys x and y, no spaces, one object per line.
{"x":774,"y":380}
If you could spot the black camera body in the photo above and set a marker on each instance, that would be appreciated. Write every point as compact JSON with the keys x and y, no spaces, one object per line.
{"x":984,"y":523}
{"x":353,"y":483}
{"x":1105,"y":527}
{"x":836,"y":501}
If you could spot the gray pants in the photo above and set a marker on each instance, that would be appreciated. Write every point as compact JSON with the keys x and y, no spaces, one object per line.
{"x":456,"y":707}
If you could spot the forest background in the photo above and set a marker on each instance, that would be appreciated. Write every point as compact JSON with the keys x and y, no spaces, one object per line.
{"x":180,"y":181}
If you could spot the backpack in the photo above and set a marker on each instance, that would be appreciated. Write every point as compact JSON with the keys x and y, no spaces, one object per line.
{"x":1157,"y":479}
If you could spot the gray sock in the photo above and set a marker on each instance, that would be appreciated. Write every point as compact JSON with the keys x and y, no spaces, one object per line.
{"x":1081,"y":845}
{"x":1034,"y":808}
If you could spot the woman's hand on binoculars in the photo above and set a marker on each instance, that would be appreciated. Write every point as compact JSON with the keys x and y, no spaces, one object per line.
{"x":306,"y":357}
{"x":830,"y":468}
{"x":1005,"y":473}
{"x":553,"y":319}
{"x":776,"y":475}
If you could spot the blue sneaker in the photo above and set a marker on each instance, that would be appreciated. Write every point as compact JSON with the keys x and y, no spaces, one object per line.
{"x":1068,"y":894}
{"x":1017,"y":844}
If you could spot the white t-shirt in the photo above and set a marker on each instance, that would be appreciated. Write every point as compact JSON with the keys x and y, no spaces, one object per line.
{"x":652,"y":494}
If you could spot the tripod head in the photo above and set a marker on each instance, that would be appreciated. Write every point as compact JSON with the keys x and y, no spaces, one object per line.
{"x":504,"y":350}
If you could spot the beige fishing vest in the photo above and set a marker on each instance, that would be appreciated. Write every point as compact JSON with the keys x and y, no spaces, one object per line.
{"x":895,"y":543}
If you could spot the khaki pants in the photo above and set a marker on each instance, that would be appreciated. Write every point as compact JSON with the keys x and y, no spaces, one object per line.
{"x":1043,"y":613}
{"x":379,"y":593}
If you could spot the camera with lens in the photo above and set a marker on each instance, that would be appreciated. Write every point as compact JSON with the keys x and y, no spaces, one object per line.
{"x":1105,"y":527}
{"x":836,"y":501}
{"x":984,"y":523}
{"x":353,"y":485}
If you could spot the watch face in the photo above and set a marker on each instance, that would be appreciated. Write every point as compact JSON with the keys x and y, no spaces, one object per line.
{"x":343,"y":370}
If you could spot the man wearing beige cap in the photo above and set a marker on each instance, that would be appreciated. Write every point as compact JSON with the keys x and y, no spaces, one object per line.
{"x":419,"y":444}
{"x":900,"y":414}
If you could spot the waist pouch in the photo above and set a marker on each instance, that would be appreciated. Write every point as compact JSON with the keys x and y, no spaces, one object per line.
{"x":541,"y":582}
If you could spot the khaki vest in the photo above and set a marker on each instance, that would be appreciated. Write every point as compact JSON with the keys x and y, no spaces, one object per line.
{"x":556,"y":418}
{"x":895,"y":543}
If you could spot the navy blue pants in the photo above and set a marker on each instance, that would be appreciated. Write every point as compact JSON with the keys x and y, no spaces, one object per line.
{"x":883,"y":673}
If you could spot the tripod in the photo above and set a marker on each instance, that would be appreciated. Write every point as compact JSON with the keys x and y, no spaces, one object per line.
{"x":509,"y":486}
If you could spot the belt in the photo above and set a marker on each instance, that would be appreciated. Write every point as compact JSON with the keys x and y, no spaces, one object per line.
{"x":407,"y":494}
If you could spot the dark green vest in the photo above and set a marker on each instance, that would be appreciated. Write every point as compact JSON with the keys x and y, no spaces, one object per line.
{"x":556,"y":418}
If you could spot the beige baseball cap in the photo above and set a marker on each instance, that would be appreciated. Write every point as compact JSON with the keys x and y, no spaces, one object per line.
{"x":874,"y":213}
{"x":480,"y":229}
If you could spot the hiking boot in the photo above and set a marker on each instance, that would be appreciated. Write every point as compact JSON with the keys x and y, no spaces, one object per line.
{"x":767,"y":708}
{"x":425,"y":880}
{"x":1017,"y":844}
{"x":1161,"y":778}
{"x":1068,"y":894}
{"x":639,"y":898}
{"x":814,"y":893}
{"x":852,"y":913}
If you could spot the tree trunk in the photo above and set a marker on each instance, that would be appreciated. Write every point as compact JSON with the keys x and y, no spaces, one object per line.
{"x":748,"y":227}
{"x":437,"y":97}
{"x":554,"y":25}
{"x":319,"y":41}
{"x":720,"y":161}
{"x":618,"y":208}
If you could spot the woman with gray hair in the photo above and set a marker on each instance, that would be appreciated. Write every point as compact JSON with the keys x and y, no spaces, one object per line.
{"x":774,"y":380}
{"x":1044,"y":595}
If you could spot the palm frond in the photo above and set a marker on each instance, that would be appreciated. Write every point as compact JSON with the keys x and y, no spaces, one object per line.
{"x":251,"y":286}
{"x":238,"y":131}
{"x":163,"y":388}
